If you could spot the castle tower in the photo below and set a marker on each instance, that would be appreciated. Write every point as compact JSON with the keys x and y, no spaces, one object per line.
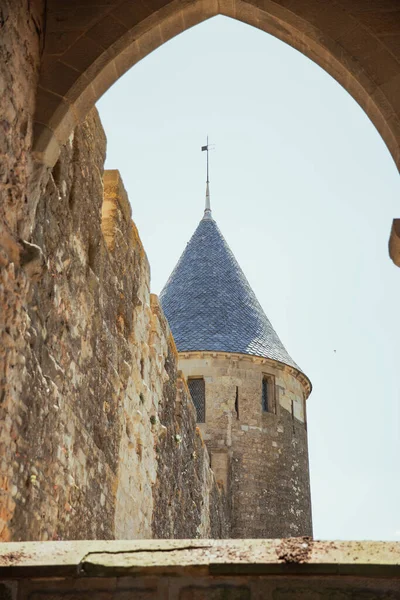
{"x":250,"y":396}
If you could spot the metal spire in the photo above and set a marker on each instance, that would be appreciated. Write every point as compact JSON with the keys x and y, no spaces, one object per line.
{"x":207,"y":211}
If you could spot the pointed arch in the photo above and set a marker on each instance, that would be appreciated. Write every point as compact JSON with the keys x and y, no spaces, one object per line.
{"x":91,"y":43}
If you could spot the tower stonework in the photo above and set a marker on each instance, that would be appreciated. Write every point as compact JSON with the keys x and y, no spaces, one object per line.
{"x":260,"y":457}
{"x":250,"y":396}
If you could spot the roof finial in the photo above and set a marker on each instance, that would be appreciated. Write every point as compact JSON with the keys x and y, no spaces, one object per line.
{"x":207,"y":211}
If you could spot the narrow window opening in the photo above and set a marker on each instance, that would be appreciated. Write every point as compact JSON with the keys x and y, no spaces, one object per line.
{"x":268,"y":401}
{"x":265,"y":394}
{"x":237,"y":402}
{"x":294,"y":430}
{"x":197,"y":391}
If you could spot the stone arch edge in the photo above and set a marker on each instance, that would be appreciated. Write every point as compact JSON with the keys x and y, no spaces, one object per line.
{"x":57,"y":116}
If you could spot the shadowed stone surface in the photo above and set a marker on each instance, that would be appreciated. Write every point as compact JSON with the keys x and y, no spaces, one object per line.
{"x":210,"y":305}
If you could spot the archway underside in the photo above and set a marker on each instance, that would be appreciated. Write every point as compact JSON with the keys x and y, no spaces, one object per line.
{"x":91,"y":43}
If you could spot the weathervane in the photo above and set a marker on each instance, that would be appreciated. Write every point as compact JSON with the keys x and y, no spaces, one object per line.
{"x":207,"y":211}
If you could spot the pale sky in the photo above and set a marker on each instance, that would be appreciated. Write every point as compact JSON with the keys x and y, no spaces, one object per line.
{"x":304,"y":191}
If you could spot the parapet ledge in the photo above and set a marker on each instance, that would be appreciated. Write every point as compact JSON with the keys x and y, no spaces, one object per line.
{"x":115,"y":203}
{"x":158,"y":311}
{"x":291,"y":556}
{"x":114,"y":189}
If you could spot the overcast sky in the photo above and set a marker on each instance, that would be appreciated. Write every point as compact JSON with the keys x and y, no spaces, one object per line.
{"x":304,"y":191}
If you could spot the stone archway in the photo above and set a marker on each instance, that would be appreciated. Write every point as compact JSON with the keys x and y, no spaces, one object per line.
{"x":91,"y":43}
{"x":88,"y":45}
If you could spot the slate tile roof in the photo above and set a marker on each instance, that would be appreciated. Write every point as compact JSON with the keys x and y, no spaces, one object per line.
{"x":210,"y":305}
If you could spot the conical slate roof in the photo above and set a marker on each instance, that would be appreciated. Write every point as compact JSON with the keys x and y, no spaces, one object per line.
{"x":210,"y":305}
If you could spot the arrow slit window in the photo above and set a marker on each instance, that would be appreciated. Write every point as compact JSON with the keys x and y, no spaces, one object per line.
{"x":197,"y":390}
{"x":268,"y":394}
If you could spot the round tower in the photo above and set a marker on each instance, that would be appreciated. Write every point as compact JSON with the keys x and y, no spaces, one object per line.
{"x":250,"y":396}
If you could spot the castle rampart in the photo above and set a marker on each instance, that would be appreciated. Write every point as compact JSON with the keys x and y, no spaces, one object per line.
{"x":98,"y":434}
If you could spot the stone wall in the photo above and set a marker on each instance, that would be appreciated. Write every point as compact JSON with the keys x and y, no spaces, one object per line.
{"x":261,"y":458}
{"x":100,"y":437}
{"x":184,"y":486}
{"x":21,"y":41}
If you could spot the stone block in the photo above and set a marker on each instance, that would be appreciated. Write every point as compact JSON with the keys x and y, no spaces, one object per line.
{"x":82,"y":53}
{"x":220,"y":592}
{"x":135,"y":594}
{"x":130,"y":14}
{"x":394,"y":242}
{"x":108,"y":31}
{"x":57,"y":77}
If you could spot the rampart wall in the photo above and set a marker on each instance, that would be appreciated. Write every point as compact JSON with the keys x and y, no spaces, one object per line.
{"x":21,"y":43}
{"x":98,"y":437}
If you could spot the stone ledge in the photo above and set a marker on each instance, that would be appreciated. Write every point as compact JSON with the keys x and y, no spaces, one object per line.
{"x":294,"y":556}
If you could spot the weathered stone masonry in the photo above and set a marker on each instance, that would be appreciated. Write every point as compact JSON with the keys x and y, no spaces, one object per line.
{"x":21,"y":42}
{"x":100,"y":440}
{"x":261,"y":458}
